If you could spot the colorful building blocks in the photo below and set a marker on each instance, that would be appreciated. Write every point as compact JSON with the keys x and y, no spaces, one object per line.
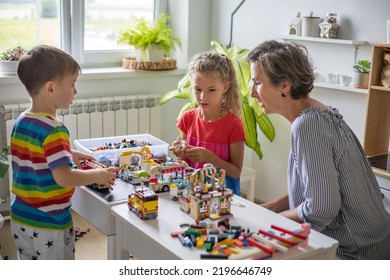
{"x":227,"y":244}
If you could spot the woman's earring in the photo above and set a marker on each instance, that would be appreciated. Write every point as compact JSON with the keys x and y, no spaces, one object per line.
{"x":283,"y":95}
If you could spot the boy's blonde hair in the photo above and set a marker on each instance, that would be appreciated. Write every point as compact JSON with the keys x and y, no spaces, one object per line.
{"x":45,"y":63}
{"x":213,"y":62}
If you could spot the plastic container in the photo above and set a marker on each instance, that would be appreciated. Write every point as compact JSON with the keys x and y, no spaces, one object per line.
{"x":89,"y":146}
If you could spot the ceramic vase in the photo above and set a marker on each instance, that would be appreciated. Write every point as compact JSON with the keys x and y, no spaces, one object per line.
{"x":361,"y":80}
{"x":8,"y":68}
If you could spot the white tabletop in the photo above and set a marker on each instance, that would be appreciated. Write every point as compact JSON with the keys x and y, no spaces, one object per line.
{"x":151,"y":239}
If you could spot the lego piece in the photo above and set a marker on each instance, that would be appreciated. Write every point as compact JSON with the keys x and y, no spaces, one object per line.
{"x":271,"y":242}
{"x":268,"y":249}
{"x":200,"y":242}
{"x":181,"y":238}
{"x":284,"y":240}
{"x":175,"y":234}
{"x":192,"y":232}
{"x":211,"y":256}
{"x":238,"y":243}
{"x":188,"y":242}
{"x":208,"y":245}
{"x":226,"y":241}
{"x":295,"y":234}
{"x":226,"y":251}
{"x":234,"y":250}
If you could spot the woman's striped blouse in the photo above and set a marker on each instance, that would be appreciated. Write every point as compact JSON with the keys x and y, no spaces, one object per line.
{"x":333,"y":187}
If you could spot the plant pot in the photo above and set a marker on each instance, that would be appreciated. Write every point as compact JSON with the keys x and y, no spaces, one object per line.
{"x":151,"y":54}
{"x":8,"y":68}
{"x":155,"y":54}
{"x":361,"y":80}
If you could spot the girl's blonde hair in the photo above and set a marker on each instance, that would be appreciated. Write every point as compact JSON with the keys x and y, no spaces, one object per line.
{"x":213,"y":62}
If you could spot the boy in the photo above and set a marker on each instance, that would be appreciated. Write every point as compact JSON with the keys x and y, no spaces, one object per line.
{"x":43,"y":179}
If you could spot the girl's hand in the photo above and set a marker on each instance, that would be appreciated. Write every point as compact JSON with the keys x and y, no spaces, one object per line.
{"x":197,"y":154}
{"x":179,"y":148}
{"x":78,"y":156}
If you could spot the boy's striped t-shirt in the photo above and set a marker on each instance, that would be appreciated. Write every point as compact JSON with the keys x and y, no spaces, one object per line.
{"x":39,"y":144}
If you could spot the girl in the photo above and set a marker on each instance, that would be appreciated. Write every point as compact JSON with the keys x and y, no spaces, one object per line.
{"x":213,"y":132}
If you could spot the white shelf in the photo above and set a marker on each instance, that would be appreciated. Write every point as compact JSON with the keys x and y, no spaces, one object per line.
{"x":340,"y":87}
{"x":323,"y":40}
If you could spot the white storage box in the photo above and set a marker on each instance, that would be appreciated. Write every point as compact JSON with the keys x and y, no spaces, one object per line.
{"x":89,"y":146}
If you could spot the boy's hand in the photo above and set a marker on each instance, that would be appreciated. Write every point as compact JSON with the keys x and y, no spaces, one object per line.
{"x":78,"y":156}
{"x":106,"y":177}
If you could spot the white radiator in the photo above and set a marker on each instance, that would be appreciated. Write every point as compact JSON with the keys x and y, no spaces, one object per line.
{"x":97,"y":117}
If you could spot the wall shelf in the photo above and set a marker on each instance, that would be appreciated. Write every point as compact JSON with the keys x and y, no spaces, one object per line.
{"x":323,"y":40}
{"x":340,"y":87}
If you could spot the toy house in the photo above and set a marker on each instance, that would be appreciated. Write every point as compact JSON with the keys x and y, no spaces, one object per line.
{"x":207,"y":196}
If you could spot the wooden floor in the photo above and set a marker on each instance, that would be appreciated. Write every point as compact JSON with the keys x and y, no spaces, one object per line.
{"x":91,"y":246}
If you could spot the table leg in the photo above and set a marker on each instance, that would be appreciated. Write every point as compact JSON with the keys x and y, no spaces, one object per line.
{"x":111,"y":247}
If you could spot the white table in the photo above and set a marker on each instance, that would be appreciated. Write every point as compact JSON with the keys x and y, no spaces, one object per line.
{"x":151,"y":239}
{"x":94,"y":206}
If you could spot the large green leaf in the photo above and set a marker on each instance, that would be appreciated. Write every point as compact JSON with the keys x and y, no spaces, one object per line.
{"x":184,"y":82}
{"x":249,"y":122}
{"x":219,"y":48}
{"x":174,"y":94}
{"x":266,"y":126}
{"x":262,"y":120}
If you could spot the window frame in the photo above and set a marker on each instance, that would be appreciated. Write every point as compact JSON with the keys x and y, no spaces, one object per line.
{"x":72,"y":35}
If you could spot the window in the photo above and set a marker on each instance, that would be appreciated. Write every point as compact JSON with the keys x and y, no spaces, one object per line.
{"x":87,"y":29}
{"x":27,"y":23}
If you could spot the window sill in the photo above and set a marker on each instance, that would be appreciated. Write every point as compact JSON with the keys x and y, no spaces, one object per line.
{"x":108,"y":73}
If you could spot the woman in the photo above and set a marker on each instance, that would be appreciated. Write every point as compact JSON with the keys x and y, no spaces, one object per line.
{"x":330,"y":182}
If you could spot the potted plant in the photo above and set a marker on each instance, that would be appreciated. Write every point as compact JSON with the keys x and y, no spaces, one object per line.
{"x":253,"y":115}
{"x":9,"y":60}
{"x":362,"y":73}
{"x":148,"y":37}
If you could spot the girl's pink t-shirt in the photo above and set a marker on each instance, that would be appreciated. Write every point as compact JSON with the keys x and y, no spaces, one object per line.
{"x":215,"y":136}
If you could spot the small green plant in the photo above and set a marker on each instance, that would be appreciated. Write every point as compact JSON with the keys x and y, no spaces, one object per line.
{"x":12,"y":54}
{"x":253,"y":116}
{"x":143,"y":33}
{"x":362,"y":66}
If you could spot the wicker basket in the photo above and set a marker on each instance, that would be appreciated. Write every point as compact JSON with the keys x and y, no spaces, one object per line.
{"x":166,"y":64}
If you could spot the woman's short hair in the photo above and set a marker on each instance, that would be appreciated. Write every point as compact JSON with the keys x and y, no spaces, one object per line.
{"x":285,"y":61}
